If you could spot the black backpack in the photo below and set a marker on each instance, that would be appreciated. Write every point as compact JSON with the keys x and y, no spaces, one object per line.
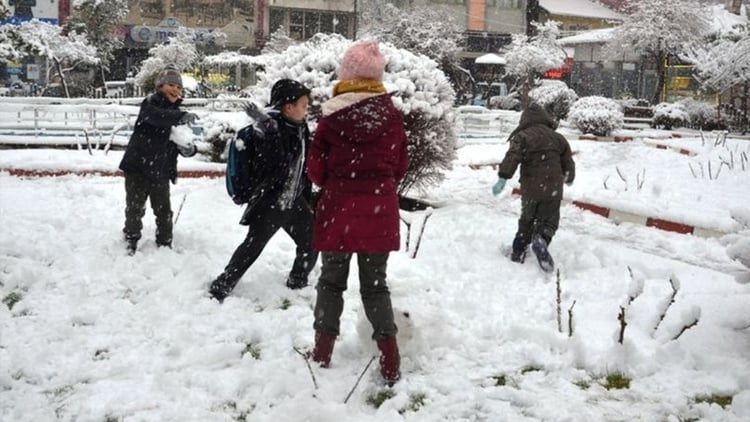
{"x":240,"y":182}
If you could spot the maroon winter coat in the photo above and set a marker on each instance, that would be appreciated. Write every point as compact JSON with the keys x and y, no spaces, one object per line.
{"x":358,"y":157}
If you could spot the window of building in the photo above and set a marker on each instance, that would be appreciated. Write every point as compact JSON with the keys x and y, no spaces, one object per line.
{"x":303,"y":24}
{"x":296,"y":25}
{"x":504,"y":4}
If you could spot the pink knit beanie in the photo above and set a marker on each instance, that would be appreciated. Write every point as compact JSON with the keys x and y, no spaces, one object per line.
{"x":362,"y":60}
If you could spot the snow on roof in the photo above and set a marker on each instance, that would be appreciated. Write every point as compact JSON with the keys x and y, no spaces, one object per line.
{"x":490,"y":58}
{"x":579,"y":8}
{"x":595,"y":36}
{"x":721,"y":21}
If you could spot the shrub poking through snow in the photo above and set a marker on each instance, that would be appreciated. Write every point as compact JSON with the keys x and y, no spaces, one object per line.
{"x":555,"y":97}
{"x":616,"y":381}
{"x":669,"y":115}
{"x":718,"y":399}
{"x":596,"y":115}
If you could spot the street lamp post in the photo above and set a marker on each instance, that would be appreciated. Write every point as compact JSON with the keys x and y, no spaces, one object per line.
{"x":354,"y":25}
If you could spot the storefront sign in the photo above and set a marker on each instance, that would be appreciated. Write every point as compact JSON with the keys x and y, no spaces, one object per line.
{"x":160,"y":34}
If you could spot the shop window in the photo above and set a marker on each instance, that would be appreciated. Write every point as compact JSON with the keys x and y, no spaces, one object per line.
{"x":296,"y":25}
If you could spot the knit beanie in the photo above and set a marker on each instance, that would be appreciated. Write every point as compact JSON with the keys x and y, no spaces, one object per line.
{"x":362,"y":60}
{"x":286,"y":91}
{"x":170,"y":75}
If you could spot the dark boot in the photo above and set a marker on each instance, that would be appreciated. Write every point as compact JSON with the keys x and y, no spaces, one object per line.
{"x":518,"y":254}
{"x":131,"y":244}
{"x":295,"y":283}
{"x":539,"y":246}
{"x":390,"y":361}
{"x":323,"y":348}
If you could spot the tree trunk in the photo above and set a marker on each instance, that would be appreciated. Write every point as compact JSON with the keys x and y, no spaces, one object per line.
{"x":58,"y":68}
{"x":661,"y":78}
{"x":526,"y":88}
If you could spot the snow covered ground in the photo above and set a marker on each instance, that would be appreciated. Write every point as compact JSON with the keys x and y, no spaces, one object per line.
{"x":99,"y":336}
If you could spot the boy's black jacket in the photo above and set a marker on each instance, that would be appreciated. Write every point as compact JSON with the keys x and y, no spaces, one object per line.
{"x":272,"y":151}
{"x":150,"y":152}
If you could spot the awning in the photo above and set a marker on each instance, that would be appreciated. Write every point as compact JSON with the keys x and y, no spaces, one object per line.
{"x":490,"y":58}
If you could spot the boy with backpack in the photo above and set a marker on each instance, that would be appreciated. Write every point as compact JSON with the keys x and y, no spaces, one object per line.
{"x":150,"y":159}
{"x":272,"y":181}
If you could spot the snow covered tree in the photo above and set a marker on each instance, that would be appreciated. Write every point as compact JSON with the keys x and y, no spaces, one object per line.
{"x":97,"y":19}
{"x":41,"y":39}
{"x":421,"y":30}
{"x":278,"y":41}
{"x":9,"y":42}
{"x":724,"y":61}
{"x":659,"y":29}
{"x":420,"y":90}
{"x":528,"y":57}
{"x":4,"y":11}
{"x":179,"y":51}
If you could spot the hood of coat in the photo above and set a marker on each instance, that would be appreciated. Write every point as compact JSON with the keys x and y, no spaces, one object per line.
{"x":535,"y":115}
{"x":361,"y":117}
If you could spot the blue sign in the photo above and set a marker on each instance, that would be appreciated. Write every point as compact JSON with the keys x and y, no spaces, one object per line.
{"x":15,"y":20}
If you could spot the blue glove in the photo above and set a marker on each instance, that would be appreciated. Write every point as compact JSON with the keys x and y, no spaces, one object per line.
{"x":499,"y":186}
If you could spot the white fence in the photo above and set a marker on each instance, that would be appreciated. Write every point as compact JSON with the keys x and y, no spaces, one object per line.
{"x":32,"y":121}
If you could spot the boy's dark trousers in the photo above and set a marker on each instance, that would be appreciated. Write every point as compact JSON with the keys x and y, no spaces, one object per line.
{"x":297,"y":221}
{"x":537,"y":216}
{"x":137,"y":189}
{"x":376,"y":298}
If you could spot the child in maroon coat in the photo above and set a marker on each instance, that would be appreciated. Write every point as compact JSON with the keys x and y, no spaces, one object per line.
{"x":358,"y":157}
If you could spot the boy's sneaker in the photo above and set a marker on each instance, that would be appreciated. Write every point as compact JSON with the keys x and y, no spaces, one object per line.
{"x":539,"y":246}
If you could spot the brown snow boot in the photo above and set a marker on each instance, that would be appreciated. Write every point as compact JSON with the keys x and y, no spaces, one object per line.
{"x":323,"y":348}
{"x":390,"y":361}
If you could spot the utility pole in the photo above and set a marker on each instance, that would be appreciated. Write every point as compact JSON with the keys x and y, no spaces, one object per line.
{"x":354,"y":24}
{"x":532,"y":15}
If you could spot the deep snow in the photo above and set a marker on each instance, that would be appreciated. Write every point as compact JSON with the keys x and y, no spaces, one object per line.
{"x":100,"y":336}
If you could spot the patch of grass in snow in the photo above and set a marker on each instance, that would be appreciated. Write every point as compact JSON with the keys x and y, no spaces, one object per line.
{"x":111,"y":418}
{"x":11,"y":299}
{"x":101,"y":354}
{"x":616,"y":381}
{"x":500,"y":380}
{"x":718,"y":399}
{"x":416,"y":401}
{"x":582,"y":384}
{"x":252,"y":349}
{"x":531,"y":368}
{"x":236,"y":415}
{"x":285,"y":304}
{"x":378,"y":398}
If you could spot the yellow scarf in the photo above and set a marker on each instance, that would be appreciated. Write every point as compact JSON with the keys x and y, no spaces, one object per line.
{"x":358,"y":85}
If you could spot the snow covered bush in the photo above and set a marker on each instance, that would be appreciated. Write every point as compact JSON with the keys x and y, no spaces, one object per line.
{"x":506,"y":102}
{"x":669,"y":115}
{"x":555,"y":97}
{"x":420,"y":90}
{"x":738,"y":244}
{"x":703,"y":115}
{"x":596,"y":115}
